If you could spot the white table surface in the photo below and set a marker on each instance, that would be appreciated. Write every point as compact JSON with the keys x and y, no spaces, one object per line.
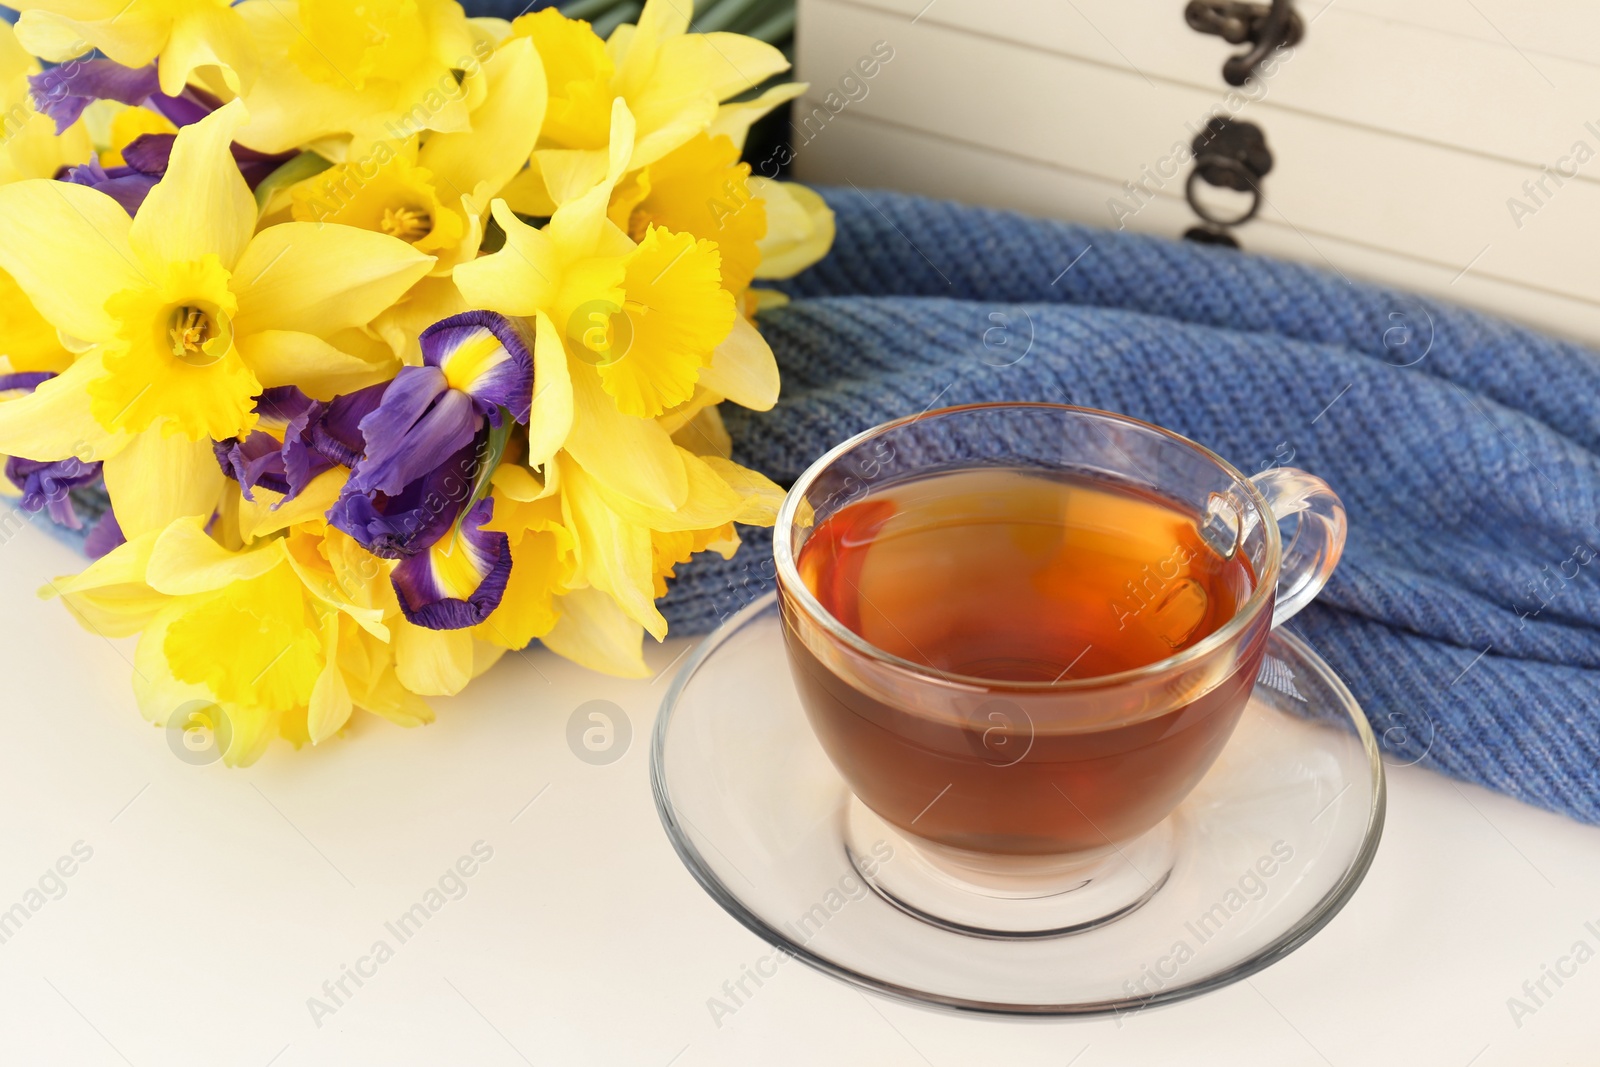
{"x":216,"y":902}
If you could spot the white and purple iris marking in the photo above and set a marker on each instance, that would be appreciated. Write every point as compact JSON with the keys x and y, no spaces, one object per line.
{"x":476,"y":367}
{"x":458,"y":580}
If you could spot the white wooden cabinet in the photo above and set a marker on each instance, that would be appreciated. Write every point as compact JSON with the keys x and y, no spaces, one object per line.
{"x":1417,"y":142}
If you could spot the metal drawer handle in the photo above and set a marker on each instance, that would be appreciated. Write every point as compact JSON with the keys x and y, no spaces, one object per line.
{"x":1265,"y":28}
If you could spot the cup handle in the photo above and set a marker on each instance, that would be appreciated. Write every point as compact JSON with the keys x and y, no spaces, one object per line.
{"x":1310,"y":556}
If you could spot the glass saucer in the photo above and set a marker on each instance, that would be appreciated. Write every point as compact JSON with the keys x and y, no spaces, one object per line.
{"x":1265,"y":850}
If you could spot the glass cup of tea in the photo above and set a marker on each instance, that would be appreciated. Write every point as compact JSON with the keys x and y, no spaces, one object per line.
{"x":1023,"y":633}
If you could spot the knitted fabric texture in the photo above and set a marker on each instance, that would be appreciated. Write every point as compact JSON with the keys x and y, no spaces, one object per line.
{"x":1465,"y":614}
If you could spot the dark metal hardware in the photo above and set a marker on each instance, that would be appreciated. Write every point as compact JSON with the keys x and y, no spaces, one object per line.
{"x":1229,"y":154}
{"x":1210,"y":235}
{"x":1263,"y":27}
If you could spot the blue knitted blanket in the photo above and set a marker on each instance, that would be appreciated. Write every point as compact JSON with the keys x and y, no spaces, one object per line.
{"x":1465,"y":615}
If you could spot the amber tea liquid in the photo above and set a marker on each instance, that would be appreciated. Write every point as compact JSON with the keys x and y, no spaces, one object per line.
{"x":1013,"y":576}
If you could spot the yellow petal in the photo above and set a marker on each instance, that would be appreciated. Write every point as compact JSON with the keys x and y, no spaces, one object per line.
{"x":550,"y":417}
{"x":368,"y":666}
{"x":710,"y":502}
{"x":50,"y":37}
{"x":34,"y":150}
{"x":541,"y":565}
{"x":432,"y":662}
{"x":702,"y":189}
{"x":253,"y":643}
{"x":513,"y":481}
{"x":800,"y":228}
{"x":111,"y":596}
{"x":185,"y":560}
{"x":517,"y":280}
{"x":677,"y":313}
{"x":431,"y":299}
{"x":158,"y":478}
{"x":159,"y":695}
{"x":54,"y":421}
{"x":321,"y":371}
{"x":526,"y":192}
{"x":504,"y":128}
{"x":268,"y":513}
{"x":53,"y":231}
{"x":593,"y":632}
{"x":203,"y":205}
{"x":568,"y":173}
{"x":743,"y":369}
{"x":321,"y":279}
{"x":208,"y":35}
{"x":578,"y":71}
{"x":703,"y":432}
{"x":762,"y":497}
{"x":330,"y":705}
{"x":631,"y":456}
{"x":344,"y":576}
{"x":613,"y":552}
{"x":733,"y":121}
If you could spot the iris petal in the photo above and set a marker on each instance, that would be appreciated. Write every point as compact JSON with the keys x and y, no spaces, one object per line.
{"x":63,"y":92}
{"x":419,"y":420}
{"x":485,"y":355}
{"x":459,"y":580}
{"x":402,"y":525}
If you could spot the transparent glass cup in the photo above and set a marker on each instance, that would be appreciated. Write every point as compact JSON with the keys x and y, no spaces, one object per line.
{"x":1028,"y":808}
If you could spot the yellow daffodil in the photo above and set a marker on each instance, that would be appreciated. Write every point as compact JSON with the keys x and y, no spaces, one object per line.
{"x":433,"y":190}
{"x":624,"y":332}
{"x":699,"y":188}
{"x":672,"y":81}
{"x":188,"y":314}
{"x":281,"y":636}
{"x":187,"y":37}
{"x":342,"y":75}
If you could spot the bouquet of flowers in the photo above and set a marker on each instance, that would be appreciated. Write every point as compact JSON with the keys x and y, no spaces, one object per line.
{"x":395,"y":338}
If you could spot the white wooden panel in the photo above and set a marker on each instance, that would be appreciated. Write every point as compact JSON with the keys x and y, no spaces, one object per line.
{"x":1477,"y":92}
{"x":873,"y":155}
{"x":1567,"y":28}
{"x":1422,"y":200}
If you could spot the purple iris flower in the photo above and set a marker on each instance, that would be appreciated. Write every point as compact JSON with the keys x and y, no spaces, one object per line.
{"x":63,"y":92}
{"x":259,"y":458}
{"x":402,"y":525}
{"x":452,"y":572}
{"x":473,"y":365}
{"x":296,"y":439}
{"x":47,"y":485}
{"x":461,"y":577}
{"x":327,"y":435}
